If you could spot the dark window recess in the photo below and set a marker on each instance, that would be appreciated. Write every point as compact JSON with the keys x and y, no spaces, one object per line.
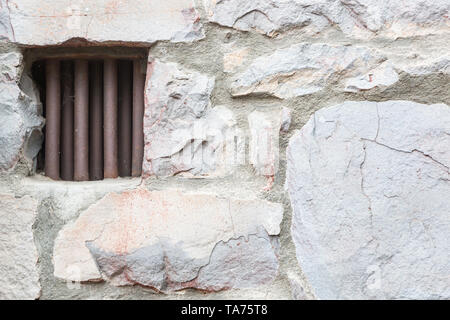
{"x":94,"y":113}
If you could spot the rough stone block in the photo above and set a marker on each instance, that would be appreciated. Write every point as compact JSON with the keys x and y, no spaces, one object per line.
{"x":18,"y":253}
{"x":305,"y":68}
{"x":369,"y":185}
{"x":183,"y":133}
{"x":168,"y":240}
{"x":50,"y":22}
{"x":355,"y":18}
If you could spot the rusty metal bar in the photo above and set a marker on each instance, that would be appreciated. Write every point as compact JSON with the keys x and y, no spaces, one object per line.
{"x":67,"y":121}
{"x":137,"y":152}
{"x":125,"y":117}
{"x":87,"y":53}
{"x":96,"y":121}
{"x":53,"y":114}
{"x":81,"y":121}
{"x":110,"y":118}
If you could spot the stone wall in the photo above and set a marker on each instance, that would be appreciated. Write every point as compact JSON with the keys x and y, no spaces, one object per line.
{"x":294,"y":149}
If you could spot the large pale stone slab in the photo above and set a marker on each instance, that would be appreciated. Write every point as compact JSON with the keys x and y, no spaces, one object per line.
{"x":183,"y":133}
{"x":355,"y":18}
{"x":169,"y":240}
{"x":19,"y":110}
{"x":18,"y":253}
{"x":45,"y":22}
{"x":305,"y":68}
{"x":369,"y":185}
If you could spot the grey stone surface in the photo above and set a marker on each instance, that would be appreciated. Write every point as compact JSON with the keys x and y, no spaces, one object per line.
{"x":18,"y":253}
{"x":156,"y":241}
{"x":427,"y":66}
{"x":19,"y":109}
{"x":369,"y":186}
{"x":356,"y":18}
{"x":302,"y":69}
{"x":240,"y":263}
{"x":183,"y":133}
{"x":6,"y":31}
{"x":52,"y":22}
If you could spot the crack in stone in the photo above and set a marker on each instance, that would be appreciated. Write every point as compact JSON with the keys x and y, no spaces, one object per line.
{"x":361,"y":167}
{"x":231,"y":216}
{"x":167,"y":282}
{"x":88,"y":26}
{"x":409,"y":152}
{"x":375,"y":140}
{"x":357,"y":17}
{"x":10,"y":23}
{"x":391,"y":148}
{"x":378,"y":125}
{"x":225,"y":242}
{"x":249,"y":13}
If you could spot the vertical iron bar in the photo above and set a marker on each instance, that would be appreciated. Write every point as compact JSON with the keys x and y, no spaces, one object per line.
{"x":96,"y":122}
{"x":53,"y":114}
{"x":67,"y":120}
{"x":81,"y":121}
{"x":138,"y":119}
{"x":110,"y":118}
{"x":125,"y":117}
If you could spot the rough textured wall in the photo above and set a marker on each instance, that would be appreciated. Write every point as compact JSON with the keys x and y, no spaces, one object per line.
{"x":293,"y":149}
